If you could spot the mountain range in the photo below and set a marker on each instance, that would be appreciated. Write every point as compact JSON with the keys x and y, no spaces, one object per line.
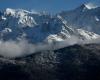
{"x":41,"y":46}
{"x":18,"y":24}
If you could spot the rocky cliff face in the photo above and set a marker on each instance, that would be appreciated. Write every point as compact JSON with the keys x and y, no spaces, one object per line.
{"x":50,"y":61}
{"x":19,"y":24}
{"x":83,"y":17}
{"x":77,"y":62}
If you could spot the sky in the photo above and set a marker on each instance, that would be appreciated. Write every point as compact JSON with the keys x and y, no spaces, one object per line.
{"x":52,"y":6}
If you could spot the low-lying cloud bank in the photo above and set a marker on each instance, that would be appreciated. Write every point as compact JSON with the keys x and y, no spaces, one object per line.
{"x":14,"y":48}
{"x":23,"y":47}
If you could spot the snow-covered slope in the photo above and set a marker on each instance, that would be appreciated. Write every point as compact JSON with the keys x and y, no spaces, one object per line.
{"x":86,"y":17}
{"x":40,"y":27}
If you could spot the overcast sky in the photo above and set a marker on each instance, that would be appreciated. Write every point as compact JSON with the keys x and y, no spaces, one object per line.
{"x":52,"y":6}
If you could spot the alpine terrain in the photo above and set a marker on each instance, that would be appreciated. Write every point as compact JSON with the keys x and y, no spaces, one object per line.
{"x":41,"y":46}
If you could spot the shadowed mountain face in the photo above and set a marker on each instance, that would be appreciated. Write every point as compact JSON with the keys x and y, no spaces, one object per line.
{"x":19,"y":24}
{"x":77,"y":62}
{"x":83,"y":17}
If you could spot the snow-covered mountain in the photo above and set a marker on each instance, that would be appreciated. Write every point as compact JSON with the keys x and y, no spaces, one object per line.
{"x":85,"y":16}
{"x":17,"y":24}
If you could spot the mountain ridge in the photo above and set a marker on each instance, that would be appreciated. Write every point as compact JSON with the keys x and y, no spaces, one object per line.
{"x":18,"y":24}
{"x":81,"y":17}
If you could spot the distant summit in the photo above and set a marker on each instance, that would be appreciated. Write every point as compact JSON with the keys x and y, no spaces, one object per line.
{"x":86,"y":16}
{"x":91,"y":5}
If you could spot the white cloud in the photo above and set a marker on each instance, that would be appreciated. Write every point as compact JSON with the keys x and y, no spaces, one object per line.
{"x":22,"y":48}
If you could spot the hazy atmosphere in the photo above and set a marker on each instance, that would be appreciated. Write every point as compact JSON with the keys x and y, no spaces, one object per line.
{"x":49,"y":39}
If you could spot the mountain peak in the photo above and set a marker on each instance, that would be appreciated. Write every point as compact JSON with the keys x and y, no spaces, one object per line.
{"x":13,"y":12}
{"x":90,"y":6}
{"x":85,"y":7}
{"x":10,"y":11}
{"x":82,"y":8}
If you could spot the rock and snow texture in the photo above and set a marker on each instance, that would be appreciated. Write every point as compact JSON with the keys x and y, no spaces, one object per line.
{"x":87,"y":17}
{"x":18,"y":24}
{"x":23,"y":32}
{"x":91,"y":6}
